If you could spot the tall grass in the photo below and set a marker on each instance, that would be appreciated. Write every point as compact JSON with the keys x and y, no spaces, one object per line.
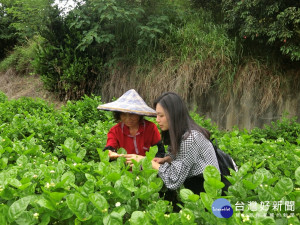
{"x":191,"y":57}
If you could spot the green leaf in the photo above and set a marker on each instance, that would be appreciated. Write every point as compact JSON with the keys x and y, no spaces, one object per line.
{"x":56,"y":196}
{"x":194,"y":197}
{"x":152,"y":152}
{"x":243,"y":170}
{"x":293,"y":220}
{"x":43,"y":202}
{"x":147,"y":164}
{"x":160,"y":207}
{"x":284,"y":186}
{"x":121,"y":191}
{"x":187,"y":216}
{"x":184,"y":194}
{"x":103,"y":155}
{"x":99,"y":201}
{"x":238,"y":190}
{"x":206,"y":200}
{"x":139,"y":218}
{"x":217,"y":184}
{"x":128,"y":183}
{"x":264,"y":220}
{"x":212,"y":190}
{"x":266,"y":174}
{"x":45,"y":219}
{"x":266,"y":194}
{"x":3,"y":163}
{"x":26,"y":218}
{"x":249,"y":185}
{"x":24,"y":186}
{"x":113,"y":219}
{"x":121,"y":151}
{"x":17,"y":208}
{"x":114,"y":176}
{"x":22,"y":160}
{"x":258,"y":177}
{"x":90,"y":177}
{"x":3,"y":214}
{"x":211,"y":172}
{"x":143,"y":192}
{"x":15,"y":182}
{"x":78,"y":206}
{"x":66,"y":179}
{"x":87,"y":188}
{"x":81,"y":154}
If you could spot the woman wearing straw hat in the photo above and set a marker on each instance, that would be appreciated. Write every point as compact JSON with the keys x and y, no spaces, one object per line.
{"x":133,"y":133}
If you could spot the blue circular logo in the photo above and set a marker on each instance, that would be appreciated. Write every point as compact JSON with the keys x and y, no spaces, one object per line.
{"x":221,"y":208}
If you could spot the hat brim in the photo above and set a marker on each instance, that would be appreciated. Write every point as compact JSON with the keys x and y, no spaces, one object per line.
{"x":141,"y":113}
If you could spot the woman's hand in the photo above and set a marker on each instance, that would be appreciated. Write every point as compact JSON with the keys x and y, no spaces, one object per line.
{"x":113,"y":155}
{"x":162,"y":160}
{"x":129,"y":157}
{"x":159,"y":160}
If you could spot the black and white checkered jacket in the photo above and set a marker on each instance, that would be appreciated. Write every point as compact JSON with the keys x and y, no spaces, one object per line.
{"x":196,"y":152}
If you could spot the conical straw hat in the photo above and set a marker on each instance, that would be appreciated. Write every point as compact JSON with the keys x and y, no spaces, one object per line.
{"x":129,"y":102}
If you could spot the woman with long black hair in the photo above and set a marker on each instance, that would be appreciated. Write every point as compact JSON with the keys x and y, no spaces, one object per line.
{"x":189,"y":146}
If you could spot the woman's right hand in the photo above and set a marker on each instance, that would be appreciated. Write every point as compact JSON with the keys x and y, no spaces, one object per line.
{"x":162,"y":160}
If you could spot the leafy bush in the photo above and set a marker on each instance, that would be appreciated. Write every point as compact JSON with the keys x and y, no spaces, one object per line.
{"x":112,"y":32}
{"x":8,"y":35}
{"x":85,"y":110}
{"x":53,"y":171}
{"x":286,"y":128}
{"x":3,"y":97}
{"x":20,"y":58}
{"x":273,"y":23}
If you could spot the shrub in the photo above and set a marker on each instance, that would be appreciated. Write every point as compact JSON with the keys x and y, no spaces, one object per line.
{"x":3,"y":97}
{"x":20,"y":58}
{"x":85,"y":110}
{"x":286,"y":128}
{"x":270,"y":23}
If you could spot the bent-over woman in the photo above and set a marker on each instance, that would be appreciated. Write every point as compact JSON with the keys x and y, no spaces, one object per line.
{"x":189,"y":146}
{"x":132,"y":132}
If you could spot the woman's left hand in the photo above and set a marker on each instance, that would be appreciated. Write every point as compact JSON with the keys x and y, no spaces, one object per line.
{"x":129,"y":157}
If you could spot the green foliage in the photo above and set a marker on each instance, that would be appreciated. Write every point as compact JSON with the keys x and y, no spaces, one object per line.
{"x":85,"y":110}
{"x":31,"y":16}
{"x":3,"y":97}
{"x":20,"y":58}
{"x":8,"y":36}
{"x":287,"y":129}
{"x":275,"y":24}
{"x":111,"y":31}
{"x":207,"y":124}
{"x":199,"y":36}
{"x":53,"y":170}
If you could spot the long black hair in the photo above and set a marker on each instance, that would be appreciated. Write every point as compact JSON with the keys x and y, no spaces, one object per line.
{"x":179,"y":120}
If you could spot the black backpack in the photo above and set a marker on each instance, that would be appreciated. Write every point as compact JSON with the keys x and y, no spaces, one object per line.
{"x":225,"y":162}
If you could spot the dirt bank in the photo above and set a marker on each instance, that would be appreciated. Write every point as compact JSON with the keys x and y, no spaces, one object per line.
{"x":16,"y":86}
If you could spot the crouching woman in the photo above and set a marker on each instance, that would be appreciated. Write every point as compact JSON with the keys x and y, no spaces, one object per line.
{"x":189,"y":146}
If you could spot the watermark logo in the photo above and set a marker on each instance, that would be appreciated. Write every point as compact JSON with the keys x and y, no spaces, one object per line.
{"x":221,"y":208}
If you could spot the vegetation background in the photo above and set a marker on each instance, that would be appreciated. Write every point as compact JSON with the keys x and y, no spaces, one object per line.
{"x":229,"y":49}
{"x":243,"y":53}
